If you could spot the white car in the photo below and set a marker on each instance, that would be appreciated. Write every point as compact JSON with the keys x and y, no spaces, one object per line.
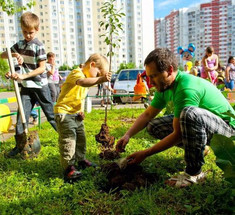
{"x":124,"y":85}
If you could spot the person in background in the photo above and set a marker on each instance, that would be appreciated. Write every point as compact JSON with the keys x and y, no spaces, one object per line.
{"x":186,"y":69}
{"x":31,"y":57}
{"x":52,"y":75}
{"x":69,"y":114}
{"x":99,"y":90}
{"x":193,"y":71}
{"x":230,"y":73}
{"x":107,"y":94}
{"x":34,"y":114}
{"x":199,"y":109}
{"x":198,"y":66}
{"x":210,"y":65}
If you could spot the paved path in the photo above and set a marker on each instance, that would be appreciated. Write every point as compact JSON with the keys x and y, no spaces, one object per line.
{"x":95,"y":105}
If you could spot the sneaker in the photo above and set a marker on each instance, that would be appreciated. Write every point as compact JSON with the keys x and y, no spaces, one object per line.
{"x":13,"y":152}
{"x":71,"y":174}
{"x":86,"y":163}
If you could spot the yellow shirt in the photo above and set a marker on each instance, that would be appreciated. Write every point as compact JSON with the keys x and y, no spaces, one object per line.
{"x":72,"y":97}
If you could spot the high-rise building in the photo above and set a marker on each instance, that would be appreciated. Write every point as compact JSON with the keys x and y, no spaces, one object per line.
{"x":208,"y":24}
{"x":70,"y":29}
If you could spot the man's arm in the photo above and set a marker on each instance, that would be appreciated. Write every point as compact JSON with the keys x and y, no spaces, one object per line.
{"x":171,"y":140}
{"x":140,"y":123}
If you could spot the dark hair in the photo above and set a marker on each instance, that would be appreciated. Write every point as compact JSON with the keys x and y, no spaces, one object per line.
{"x":163,"y":59}
{"x":230,"y":58}
{"x":209,"y":49}
{"x":50,"y":54}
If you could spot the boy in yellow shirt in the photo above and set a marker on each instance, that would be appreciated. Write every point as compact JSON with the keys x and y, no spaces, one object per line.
{"x":69,"y":114}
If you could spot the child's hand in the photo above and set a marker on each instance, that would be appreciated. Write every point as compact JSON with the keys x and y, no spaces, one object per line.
{"x":8,"y":75}
{"x":81,"y":116}
{"x":108,"y":76}
{"x":19,"y":58}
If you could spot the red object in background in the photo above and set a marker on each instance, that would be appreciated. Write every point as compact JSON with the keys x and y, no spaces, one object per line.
{"x":147,"y":79}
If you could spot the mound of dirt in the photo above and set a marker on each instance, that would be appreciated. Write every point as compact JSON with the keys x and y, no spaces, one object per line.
{"x":104,"y":137}
{"x":107,"y":149}
{"x":109,"y":154}
{"x":129,"y":178}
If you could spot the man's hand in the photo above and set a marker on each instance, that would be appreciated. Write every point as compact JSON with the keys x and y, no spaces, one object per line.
{"x":121,"y":144}
{"x":136,"y":157}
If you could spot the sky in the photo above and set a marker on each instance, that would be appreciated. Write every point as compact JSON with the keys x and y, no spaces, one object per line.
{"x":163,"y":7}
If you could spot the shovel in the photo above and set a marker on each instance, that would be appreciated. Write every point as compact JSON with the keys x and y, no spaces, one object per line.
{"x":27,"y":143}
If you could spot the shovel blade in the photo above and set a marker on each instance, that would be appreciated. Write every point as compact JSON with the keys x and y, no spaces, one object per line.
{"x":28,"y":144}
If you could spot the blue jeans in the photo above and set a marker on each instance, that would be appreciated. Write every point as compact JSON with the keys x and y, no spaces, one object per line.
{"x":29,"y":97}
{"x":229,"y":84}
{"x":34,"y":114}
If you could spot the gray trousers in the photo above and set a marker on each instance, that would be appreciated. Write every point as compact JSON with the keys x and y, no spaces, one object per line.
{"x":72,"y":139}
{"x":197,"y":128}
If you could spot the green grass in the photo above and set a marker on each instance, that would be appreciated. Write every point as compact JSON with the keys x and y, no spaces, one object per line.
{"x":37,"y":187}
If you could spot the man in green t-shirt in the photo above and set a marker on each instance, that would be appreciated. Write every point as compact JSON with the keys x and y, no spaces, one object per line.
{"x":198,"y":114}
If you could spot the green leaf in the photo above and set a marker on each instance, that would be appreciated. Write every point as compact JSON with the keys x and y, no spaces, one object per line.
{"x":224,"y":150}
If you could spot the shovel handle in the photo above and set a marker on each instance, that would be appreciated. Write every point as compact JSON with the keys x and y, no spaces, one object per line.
{"x":17,"y":91}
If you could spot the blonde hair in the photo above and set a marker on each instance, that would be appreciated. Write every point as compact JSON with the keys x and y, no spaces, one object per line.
{"x":193,"y":71}
{"x":29,"y":20}
{"x":101,"y":62}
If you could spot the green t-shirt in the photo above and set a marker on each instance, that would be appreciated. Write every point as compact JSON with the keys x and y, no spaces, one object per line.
{"x":189,"y":90}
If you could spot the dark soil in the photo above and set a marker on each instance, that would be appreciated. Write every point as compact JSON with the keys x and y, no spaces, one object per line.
{"x":107,"y":149}
{"x":130,"y":178}
{"x":109,"y":154}
{"x":104,"y":138}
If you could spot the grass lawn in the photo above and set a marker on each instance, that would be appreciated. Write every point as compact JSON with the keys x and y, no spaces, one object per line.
{"x":37,"y":187}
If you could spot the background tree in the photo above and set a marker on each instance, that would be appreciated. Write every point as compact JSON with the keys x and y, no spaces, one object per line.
{"x":64,"y":67}
{"x":130,"y":65}
{"x":10,"y":7}
{"x":4,"y":68}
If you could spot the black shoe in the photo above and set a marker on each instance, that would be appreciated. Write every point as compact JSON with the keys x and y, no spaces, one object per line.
{"x":86,"y":163}
{"x":12,"y":153}
{"x":71,"y":174}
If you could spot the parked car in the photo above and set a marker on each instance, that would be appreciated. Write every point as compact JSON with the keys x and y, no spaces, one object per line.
{"x":113,"y":78}
{"x":63,"y":75}
{"x":124,"y":85}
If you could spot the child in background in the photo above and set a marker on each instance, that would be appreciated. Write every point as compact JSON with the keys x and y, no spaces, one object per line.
{"x":193,"y":71}
{"x":209,"y":65}
{"x":69,"y":114}
{"x":186,"y":69}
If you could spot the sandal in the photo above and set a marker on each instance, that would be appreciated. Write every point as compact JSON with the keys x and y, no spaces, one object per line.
{"x":206,"y":151}
{"x":185,"y":180}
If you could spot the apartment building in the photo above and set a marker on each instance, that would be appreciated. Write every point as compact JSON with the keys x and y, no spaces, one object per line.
{"x":70,"y":29}
{"x":208,"y":24}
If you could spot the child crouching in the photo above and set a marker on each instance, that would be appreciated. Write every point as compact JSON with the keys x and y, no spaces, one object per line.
{"x":69,"y":114}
